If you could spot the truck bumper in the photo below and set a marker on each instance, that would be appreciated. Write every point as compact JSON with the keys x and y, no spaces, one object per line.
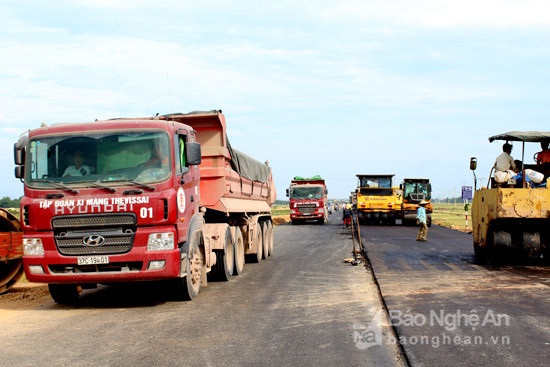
{"x":131,"y":266}
{"x":306,"y":216}
{"x":377,"y":214}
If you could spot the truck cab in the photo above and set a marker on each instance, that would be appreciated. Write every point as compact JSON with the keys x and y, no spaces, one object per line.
{"x":415,"y":190}
{"x":377,"y":200}
{"x":308,"y":200}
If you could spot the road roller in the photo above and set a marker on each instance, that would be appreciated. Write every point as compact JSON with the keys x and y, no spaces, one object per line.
{"x":511,"y":215}
{"x":11,"y":250}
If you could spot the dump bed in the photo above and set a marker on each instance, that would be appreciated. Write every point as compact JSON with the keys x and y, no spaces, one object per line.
{"x":231,"y":181}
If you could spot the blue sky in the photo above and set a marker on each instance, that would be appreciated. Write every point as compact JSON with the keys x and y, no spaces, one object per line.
{"x":333,"y":88}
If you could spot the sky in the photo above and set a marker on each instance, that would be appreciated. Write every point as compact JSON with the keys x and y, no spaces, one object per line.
{"x":334,"y":88}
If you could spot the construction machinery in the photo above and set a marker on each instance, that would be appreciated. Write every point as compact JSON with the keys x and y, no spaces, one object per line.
{"x":377,"y":200}
{"x":11,"y":250}
{"x":511,"y":215}
{"x":414,"y":191}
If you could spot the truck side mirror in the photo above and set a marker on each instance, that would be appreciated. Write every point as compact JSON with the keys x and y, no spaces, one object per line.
{"x":19,"y":171}
{"x":473,"y":163}
{"x":193,"y":153}
{"x":400,"y":186}
{"x":18,"y":155}
{"x":287,"y":193}
{"x":326,"y":192}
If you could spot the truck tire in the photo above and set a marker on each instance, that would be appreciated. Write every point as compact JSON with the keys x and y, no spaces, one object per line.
{"x":265,"y":241}
{"x":188,"y":287}
{"x":257,"y":257}
{"x":238,"y":268}
{"x":64,"y":294}
{"x":225,"y":259}
{"x":270,"y":237}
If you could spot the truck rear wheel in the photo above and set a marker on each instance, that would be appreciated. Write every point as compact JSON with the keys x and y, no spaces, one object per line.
{"x":64,"y":294}
{"x":238,"y":268}
{"x":257,"y":257}
{"x":265,"y":241}
{"x":225,"y":259}
{"x":270,"y":237}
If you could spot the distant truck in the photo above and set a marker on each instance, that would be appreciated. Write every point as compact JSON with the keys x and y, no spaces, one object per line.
{"x":308,"y":200}
{"x":414,"y":191}
{"x":377,"y":200}
{"x":140,"y":199}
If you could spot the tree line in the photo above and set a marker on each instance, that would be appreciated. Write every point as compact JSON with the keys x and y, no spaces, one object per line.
{"x":7,"y":202}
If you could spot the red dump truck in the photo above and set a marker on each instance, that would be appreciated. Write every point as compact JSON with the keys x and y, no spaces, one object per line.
{"x":308,"y":200}
{"x":140,"y":199}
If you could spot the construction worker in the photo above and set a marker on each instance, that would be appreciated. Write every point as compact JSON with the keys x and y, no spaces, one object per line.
{"x":346,"y":215}
{"x":421,"y":219}
{"x":544,"y":155}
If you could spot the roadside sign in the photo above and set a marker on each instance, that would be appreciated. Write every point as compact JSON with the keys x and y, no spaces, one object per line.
{"x":466,"y":192}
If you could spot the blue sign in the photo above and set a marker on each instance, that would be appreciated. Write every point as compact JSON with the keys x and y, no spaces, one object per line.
{"x":466,"y":192}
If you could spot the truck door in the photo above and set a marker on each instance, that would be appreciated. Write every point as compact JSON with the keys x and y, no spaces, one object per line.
{"x":187,"y":186}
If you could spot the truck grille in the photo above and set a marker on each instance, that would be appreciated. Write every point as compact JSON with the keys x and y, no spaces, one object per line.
{"x":116,"y":230}
{"x":306,"y":208}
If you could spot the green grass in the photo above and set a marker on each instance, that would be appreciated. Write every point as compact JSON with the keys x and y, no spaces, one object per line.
{"x":448,"y":215}
{"x":280,"y":210}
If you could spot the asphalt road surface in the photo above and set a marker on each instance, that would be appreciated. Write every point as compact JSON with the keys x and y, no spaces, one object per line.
{"x":448,"y":311}
{"x":303,"y":306}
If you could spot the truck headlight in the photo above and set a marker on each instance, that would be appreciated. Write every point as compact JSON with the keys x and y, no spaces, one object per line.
{"x":33,"y":247}
{"x":160,"y":241}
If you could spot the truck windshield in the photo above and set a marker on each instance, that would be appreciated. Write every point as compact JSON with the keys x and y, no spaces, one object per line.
{"x":140,"y":156}
{"x":374,"y":182}
{"x":306,"y":193}
{"x":416,"y":188}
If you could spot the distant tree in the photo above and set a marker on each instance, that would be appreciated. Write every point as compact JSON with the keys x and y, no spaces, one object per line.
{"x":281,"y":202}
{"x":7,"y":202}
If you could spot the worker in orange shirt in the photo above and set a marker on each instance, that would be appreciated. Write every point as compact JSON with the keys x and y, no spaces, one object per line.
{"x":544,"y":155}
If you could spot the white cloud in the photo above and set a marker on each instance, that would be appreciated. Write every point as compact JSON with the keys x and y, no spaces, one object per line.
{"x":439,"y":13}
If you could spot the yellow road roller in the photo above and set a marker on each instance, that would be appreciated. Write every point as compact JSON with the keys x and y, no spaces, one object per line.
{"x":511,"y":215}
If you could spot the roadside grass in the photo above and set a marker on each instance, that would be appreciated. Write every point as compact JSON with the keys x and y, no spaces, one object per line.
{"x":280,"y":210}
{"x":452,"y":216}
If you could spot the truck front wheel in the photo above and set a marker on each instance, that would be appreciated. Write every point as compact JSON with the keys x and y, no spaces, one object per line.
{"x":64,"y":294}
{"x":188,"y":287}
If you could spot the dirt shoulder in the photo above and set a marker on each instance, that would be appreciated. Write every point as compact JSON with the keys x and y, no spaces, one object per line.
{"x":24,"y":295}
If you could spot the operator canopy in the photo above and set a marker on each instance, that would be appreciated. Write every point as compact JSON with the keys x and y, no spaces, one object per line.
{"x":529,"y":136}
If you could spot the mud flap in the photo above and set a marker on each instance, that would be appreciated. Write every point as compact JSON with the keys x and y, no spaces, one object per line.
{"x":183,"y":265}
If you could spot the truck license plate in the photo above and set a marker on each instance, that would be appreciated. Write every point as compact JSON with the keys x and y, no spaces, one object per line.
{"x":93,"y":260}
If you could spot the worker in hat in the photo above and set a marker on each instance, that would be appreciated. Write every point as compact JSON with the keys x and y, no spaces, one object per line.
{"x":421,"y":219}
